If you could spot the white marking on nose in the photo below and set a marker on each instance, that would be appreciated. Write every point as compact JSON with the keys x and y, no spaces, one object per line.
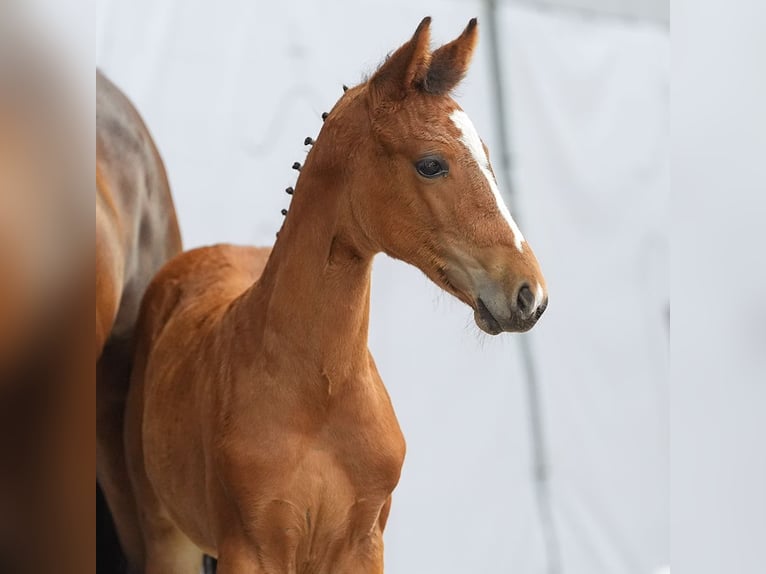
{"x":539,"y":296}
{"x":470,"y":138}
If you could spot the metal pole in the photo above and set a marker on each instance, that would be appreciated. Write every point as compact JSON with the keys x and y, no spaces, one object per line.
{"x":540,"y":463}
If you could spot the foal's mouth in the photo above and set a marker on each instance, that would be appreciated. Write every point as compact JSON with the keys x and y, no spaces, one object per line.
{"x":485,"y":319}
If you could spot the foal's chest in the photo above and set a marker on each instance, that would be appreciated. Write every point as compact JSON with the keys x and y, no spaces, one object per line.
{"x":320,"y":468}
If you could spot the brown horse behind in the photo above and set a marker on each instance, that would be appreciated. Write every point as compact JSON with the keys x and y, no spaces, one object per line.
{"x":136,"y":232}
{"x":258,"y":429}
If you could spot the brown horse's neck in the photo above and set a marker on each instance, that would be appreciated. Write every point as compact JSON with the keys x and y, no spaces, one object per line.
{"x":313,"y":298}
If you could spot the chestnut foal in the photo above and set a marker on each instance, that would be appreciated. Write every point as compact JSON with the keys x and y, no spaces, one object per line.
{"x":258,"y":429}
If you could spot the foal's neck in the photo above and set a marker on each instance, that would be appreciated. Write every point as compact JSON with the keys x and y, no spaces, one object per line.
{"x":311,"y":304}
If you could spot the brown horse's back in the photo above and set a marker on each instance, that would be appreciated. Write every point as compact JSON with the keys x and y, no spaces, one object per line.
{"x":136,"y":226}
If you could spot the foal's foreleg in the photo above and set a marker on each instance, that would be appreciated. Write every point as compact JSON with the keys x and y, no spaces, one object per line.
{"x":266,"y":545}
{"x":237,"y":556}
{"x":238,"y":562}
{"x":167,"y":550}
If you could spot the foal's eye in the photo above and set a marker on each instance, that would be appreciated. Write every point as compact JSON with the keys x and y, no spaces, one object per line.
{"x":432,"y":167}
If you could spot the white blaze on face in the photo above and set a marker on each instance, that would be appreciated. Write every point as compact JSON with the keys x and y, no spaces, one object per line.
{"x":471,"y":140}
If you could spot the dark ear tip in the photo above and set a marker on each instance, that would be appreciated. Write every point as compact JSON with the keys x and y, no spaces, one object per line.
{"x":472,"y":24}
{"x":425,"y":22}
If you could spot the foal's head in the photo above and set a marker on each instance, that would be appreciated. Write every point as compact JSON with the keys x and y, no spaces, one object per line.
{"x":423,"y":187}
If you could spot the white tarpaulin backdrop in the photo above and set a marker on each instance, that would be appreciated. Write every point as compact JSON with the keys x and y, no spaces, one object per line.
{"x":230,"y":90}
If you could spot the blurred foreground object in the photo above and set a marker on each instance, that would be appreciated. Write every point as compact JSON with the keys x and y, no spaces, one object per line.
{"x":47,"y":403}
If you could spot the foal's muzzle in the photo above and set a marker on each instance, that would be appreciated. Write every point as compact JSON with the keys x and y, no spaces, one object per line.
{"x":494,"y":315}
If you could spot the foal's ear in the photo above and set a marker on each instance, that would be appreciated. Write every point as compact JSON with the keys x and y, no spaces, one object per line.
{"x":449,"y":63}
{"x":406,"y":68}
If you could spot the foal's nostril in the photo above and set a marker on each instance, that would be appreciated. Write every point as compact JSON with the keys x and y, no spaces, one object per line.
{"x":541,"y":309}
{"x":525,"y":300}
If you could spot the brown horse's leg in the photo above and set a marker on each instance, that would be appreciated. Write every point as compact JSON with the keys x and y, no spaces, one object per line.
{"x":209,"y":565}
{"x":109,"y":555}
{"x":113,"y":372}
